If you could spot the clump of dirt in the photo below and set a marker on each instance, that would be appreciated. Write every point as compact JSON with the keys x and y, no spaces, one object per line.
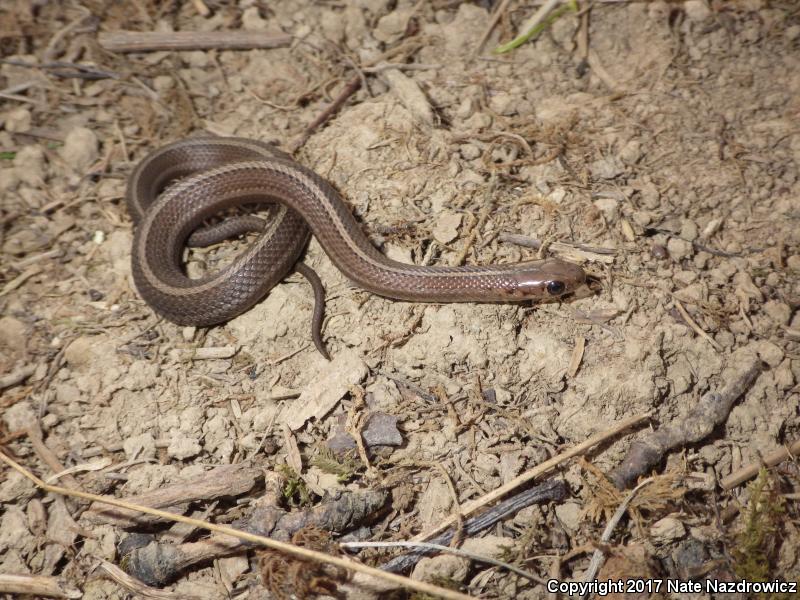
{"x":655,"y":143}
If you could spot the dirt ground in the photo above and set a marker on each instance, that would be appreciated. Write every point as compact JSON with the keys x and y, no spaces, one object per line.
{"x":655,"y":143}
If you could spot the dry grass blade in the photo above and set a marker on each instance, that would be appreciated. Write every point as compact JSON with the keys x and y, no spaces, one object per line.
{"x":304,"y":553}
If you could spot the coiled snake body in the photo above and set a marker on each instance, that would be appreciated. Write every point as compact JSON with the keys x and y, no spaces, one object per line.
{"x":219,"y":173}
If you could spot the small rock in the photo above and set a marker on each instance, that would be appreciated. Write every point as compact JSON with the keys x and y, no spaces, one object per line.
{"x":29,"y":165}
{"x":410,"y":95}
{"x":792,"y":33}
{"x":391,"y":27}
{"x":689,"y":230}
{"x":503,"y":103}
{"x":20,"y":415}
{"x":182,"y":447}
{"x":685,"y":277}
{"x":446,"y":228}
{"x":609,"y":207}
{"x":141,"y":446}
{"x":9,"y":180}
{"x":465,"y":109}
{"x":14,"y":531}
{"x":769,"y":353}
{"x":679,"y":249}
{"x":80,"y":149}
{"x":329,"y":385}
{"x":233,"y":567}
{"x":79,"y":352}
{"x":18,"y":120}
{"x":341,"y":442}
{"x":15,"y":488}
{"x":24,"y":241}
{"x":779,"y":312}
{"x":67,"y":393}
{"x":659,"y":252}
{"x":631,"y":153}
{"x":13,"y":333}
{"x":651,"y":198}
{"x":444,"y":566}
{"x":469,"y":151}
{"x":252,"y":21}
{"x":606,"y":168}
{"x":667,"y":530}
{"x":569,"y":514}
{"x":696,"y":10}
{"x":381,"y":430}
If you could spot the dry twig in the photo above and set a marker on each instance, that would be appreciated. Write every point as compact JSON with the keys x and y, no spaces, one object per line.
{"x":404,"y":582}
{"x":537,"y":471}
{"x":711,"y":410}
{"x":150,"y":41}
{"x":750,"y":471}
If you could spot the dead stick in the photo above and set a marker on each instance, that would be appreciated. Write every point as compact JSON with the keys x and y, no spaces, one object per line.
{"x":551,"y":490}
{"x":711,"y":410}
{"x":303,"y":553}
{"x":537,"y":471}
{"x":228,"y":480}
{"x":160,"y":563}
{"x":349,"y":89}
{"x":17,"y":376}
{"x":149,"y":41}
{"x":750,"y":471}
{"x":30,"y":585}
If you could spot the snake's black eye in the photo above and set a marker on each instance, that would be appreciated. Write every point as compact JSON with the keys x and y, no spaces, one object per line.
{"x":554,"y":288}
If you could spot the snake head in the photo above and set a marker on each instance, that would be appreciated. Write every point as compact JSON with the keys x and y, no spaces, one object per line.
{"x":548,"y":279}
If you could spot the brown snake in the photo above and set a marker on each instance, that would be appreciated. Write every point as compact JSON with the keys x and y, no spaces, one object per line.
{"x":220,"y":173}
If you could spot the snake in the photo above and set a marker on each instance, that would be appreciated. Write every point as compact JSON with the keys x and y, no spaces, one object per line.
{"x":175,"y":191}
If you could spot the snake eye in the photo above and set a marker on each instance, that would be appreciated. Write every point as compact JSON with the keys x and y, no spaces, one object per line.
{"x":554,"y":288}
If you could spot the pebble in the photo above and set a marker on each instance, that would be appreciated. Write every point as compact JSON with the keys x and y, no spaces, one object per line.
{"x":769,"y":353}
{"x":696,"y":10}
{"x":9,"y":180}
{"x":503,"y":103}
{"x":142,"y":446}
{"x":659,"y":251}
{"x":29,"y":165}
{"x":80,"y":149}
{"x":606,"y":168}
{"x":252,"y":21}
{"x":679,"y":249}
{"x":569,"y":514}
{"x":667,"y":530}
{"x":685,"y":277}
{"x":651,"y":198}
{"x":793,"y":263}
{"x":609,"y":207}
{"x":469,"y":151}
{"x":446,"y":228}
{"x":391,"y":27}
{"x":12,"y":333}
{"x":408,"y":92}
{"x":18,"y":120}
{"x":778,"y":311}
{"x":182,"y":447}
{"x":631,"y":153}
{"x":81,"y":351}
{"x":689,"y":230}
{"x":330,"y":384}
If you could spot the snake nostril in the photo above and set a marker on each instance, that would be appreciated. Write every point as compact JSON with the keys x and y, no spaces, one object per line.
{"x":554,"y":288}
